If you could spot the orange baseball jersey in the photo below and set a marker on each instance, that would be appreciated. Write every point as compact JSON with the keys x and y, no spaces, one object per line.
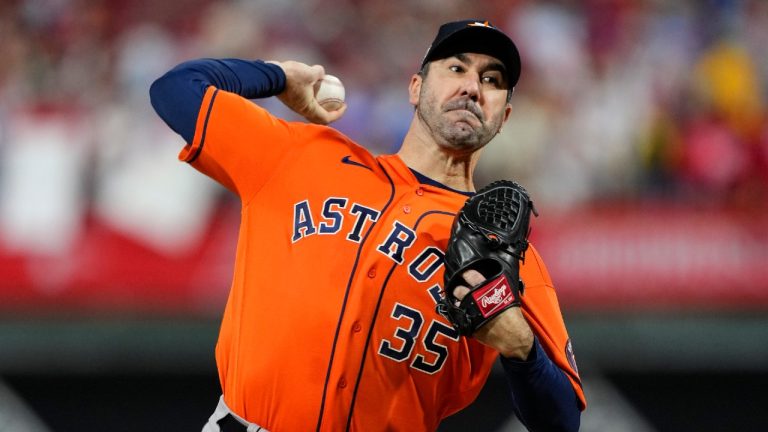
{"x":331,"y":323}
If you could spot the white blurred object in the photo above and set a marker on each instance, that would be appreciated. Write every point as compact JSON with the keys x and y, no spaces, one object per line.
{"x":142,"y":189}
{"x":15,"y":416}
{"x":41,"y":176}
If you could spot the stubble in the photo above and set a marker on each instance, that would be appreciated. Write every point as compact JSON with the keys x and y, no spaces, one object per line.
{"x":459,"y":124}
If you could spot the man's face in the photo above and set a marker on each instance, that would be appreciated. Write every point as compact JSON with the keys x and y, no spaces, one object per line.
{"x":462,"y":100}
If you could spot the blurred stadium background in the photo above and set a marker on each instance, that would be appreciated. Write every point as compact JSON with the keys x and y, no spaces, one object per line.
{"x":639,"y":126}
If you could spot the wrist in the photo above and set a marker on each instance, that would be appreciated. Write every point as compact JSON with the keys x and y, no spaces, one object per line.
{"x":518,"y":347}
{"x":535,"y":355}
{"x":509,"y":334}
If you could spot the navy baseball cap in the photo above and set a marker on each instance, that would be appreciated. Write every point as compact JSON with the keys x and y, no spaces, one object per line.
{"x":475,"y":36}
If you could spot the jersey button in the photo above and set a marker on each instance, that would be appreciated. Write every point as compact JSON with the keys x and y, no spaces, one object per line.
{"x":342,"y":382}
{"x":406,"y":209}
{"x":372,"y":273}
{"x":356,"y":327}
{"x":419,"y":191}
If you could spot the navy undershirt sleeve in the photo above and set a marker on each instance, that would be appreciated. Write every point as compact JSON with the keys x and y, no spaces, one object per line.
{"x":542,"y":395}
{"x":178,"y":95}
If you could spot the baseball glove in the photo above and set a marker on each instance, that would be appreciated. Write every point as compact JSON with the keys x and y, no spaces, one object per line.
{"x":490,"y":235}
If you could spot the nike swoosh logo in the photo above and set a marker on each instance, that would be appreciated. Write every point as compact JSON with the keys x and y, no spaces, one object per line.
{"x":346,"y":160}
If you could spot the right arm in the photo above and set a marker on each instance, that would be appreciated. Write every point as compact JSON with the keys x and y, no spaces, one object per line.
{"x":177,"y":95}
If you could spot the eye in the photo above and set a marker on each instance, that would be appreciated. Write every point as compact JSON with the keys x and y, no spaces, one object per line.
{"x":456,"y":68}
{"x":492,"y":79}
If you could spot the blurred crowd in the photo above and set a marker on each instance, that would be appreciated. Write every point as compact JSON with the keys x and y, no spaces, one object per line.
{"x":619,"y":100}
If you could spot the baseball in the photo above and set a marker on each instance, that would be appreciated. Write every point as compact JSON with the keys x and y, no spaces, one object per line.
{"x":329,"y":92}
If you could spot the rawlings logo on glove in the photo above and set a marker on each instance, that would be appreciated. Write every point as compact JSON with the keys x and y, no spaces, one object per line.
{"x":489,"y":235}
{"x":498,"y":294}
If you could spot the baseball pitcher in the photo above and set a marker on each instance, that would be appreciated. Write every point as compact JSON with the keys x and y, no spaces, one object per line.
{"x":374,"y":293}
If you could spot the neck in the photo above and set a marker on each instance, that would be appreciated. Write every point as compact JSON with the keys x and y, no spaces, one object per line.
{"x":422,"y":153}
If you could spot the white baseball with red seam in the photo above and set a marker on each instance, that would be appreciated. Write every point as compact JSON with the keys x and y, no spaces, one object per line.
{"x":330,"y":93}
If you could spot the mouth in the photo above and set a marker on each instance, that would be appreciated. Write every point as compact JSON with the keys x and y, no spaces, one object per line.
{"x":467,"y":116}
{"x":466,"y":109}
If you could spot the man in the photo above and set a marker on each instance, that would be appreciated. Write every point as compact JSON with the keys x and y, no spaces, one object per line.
{"x":331,"y":323}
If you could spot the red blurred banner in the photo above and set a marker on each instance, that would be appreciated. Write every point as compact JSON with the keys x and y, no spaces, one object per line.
{"x":108,"y":271}
{"x":646,"y":257}
{"x":657,"y":255}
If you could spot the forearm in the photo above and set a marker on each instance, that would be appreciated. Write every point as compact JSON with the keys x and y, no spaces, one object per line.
{"x":542,"y":394}
{"x":178,"y":95}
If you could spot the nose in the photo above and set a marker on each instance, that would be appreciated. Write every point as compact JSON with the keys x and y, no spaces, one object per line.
{"x":470,"y":87}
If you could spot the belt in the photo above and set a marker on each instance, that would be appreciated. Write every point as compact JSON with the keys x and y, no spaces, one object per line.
{"x":230,"y":424}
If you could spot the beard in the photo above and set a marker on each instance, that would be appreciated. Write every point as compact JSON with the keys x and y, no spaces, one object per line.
{"x":458,"y":124}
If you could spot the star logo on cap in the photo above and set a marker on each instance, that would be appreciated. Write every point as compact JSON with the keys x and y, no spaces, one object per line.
{"x":480,"y":24}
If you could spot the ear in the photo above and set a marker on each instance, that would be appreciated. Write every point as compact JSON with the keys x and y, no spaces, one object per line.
{"x":414,"y":89}
{"x":507,"y":112}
